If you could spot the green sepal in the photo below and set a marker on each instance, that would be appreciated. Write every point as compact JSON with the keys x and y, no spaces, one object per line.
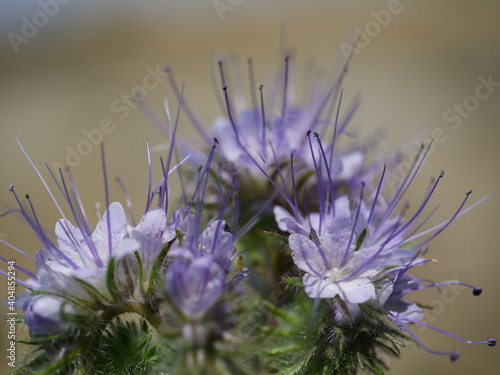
{"x":282,"y":314}
{"x":111,"y":282}
{"x":157,"y":267}
{"x":277,"y":351}
{"x":278,"y":236}
{"x":294,"y":281}
{"x":141,"y":271}
{"x":93,"y":292}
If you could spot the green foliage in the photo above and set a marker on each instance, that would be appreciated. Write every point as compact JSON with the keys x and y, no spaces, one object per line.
{"x":311,"y":341}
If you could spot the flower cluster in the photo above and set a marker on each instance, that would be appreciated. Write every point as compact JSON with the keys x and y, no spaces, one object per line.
{"x":314,"y":276}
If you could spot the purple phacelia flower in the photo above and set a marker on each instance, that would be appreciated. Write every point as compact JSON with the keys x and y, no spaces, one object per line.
{"x":44,"y":314}
{"x":258,"y":136}
{"x":335,"y":264}
{"x":195,"y":286}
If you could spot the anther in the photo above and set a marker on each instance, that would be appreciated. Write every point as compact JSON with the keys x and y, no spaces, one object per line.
{"x":316,"y":134}
{"x":27,"y":196}
{"x":216,"y":140}
{"x":441,"y":174}
{"x":491,"y":341}
{"x":454,"y":355}
{"x":11,"y":187}
{"x":308,"y":132}
{"x":477,"y":291}
{"x":468,"y":192}
{"x":167,"y":69}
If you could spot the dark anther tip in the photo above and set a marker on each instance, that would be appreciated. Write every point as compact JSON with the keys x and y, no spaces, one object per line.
{"x":441,"y":174}
{"x":477,"y":291}
{"x":224,"y":88}
{"x":167,"y":68}
{"x":468,"y":192}
{"x":27,"y":196}
{"x":261,"y":87}
{"x":249,"y":59}
{"x":11,"y":187}
{"x":287,"y":57}
{"x":492,"y":341}
{"x":316,"y":134}
{"x":308,"y":132}
{"x":216,"y":140}
{"x":454,"y":355}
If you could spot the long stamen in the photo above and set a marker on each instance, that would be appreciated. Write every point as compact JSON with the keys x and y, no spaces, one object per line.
{"x":41,"y":178}
{"x":423,"y":233}
{"x":30,"y":274}
{"x":422,"y":206}
{"x":253,"y":93}
{"x":375,"y":199}
{"x":445,"y":225}
{"x":185,"y":106}
{"x":171,"y":149}
{"x":152,"y":117}
{"x":222,"y":208}
{"x":263,"y":116}
{"x":230,"y":115}
{"x":294,"y":189}
{"x":38,"y":230}
{"x":69,"y":233}
{"x":284,"y":195}
{"x":16,"y":249}
{"x":315,"y":239}
{"x":490,"y":341}
{"x":84,"y":219}
{"x":476,"y":291}
{"x":106,"y":195}
{"x":127,"y":199}
{"x":285,"y":92}
{"x":278,"y":170}
{"x":320,"y":184}
{"x":412,"y":172}
{"x":453,"y":355}
{"x":19,"y":281}
{"x":335,"y":125}
{"x":349,"y":243}
{"x":329,"y":200}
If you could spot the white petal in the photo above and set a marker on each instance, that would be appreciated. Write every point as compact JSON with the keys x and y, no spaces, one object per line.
{"x":118,"y":229}
{"x":146,"y":233}
{"x":306,"y":254}
{"x":357,"y":290}
{"x":72,"y":244}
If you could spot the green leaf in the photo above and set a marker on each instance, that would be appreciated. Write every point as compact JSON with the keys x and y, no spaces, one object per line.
{"x":285,"y":315}
{"x":280,"y":350}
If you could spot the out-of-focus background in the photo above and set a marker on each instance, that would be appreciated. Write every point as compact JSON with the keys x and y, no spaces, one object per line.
{"x":67,"y":66}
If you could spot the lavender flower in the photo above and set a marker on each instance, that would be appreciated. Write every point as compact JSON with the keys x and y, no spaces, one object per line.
{"x":44,"y":314}
{"x":259,"y":136}
{"x":336,"y":264}
{"x":363,"y":257}
{"x":195,"y":286}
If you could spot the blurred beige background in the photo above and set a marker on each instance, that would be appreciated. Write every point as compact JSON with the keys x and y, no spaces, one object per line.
{"x":65,"y":77}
